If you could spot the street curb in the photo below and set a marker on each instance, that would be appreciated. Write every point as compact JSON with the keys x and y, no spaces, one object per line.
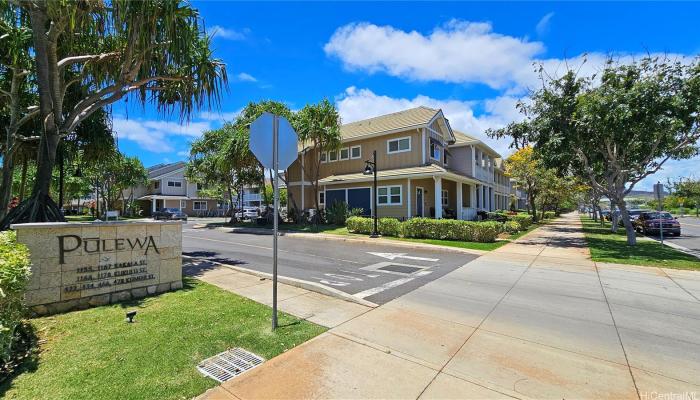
{"x":325,"y":236}
{"x":301,"y":284}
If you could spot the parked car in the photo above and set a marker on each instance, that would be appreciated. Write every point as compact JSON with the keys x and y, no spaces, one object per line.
{"x":248,"y":213}
{"x":170,"y":214}
{"x":653,"y":222}
{"x":633,"y":213}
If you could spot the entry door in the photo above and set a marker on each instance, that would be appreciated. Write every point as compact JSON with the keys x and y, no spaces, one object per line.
{"x":419,"y":201}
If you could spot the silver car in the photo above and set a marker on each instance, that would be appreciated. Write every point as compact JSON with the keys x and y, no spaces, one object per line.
{"x":172,"y":214}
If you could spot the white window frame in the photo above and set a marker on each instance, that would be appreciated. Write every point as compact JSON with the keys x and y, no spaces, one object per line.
{"x":183,"y":204}
{"x":322,"y":198}
{"x":324,"y":157}
{"x":398,"y":146}
{"x":359,"y":155}
{"x":336,"y":155}
{"x":198,"y":202}
{"x":388,"y":195}
{"x":445,"y":197}
{"x":340,"y":154}
{"x":156,"y":185}
{"x":434,"y":145}
{"x":175,"y":184}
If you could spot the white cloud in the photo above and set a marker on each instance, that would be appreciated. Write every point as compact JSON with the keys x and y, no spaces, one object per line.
{"x":543,"y":25}
{"x":356,"y":104}
{"x":156,"y":136}
{"x":219,"y":31}
{"x":457,"y":52}
{"x":246,"y":77}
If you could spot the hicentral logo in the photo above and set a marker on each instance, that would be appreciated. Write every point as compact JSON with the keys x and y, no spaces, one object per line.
{"x":97,"y":245}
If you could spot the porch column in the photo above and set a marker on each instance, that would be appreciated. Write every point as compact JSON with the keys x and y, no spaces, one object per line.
{"x":438,"y":197}
{"x":153,"y":204}
{"x":459,"y":200}
{"x":492,"y":200}
{"x":409,"y":195}
{"x":472,"y":196}
{"x":303,"y":205}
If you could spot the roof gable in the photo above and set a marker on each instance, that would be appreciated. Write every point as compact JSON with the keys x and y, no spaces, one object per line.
{"x":411,"y":118}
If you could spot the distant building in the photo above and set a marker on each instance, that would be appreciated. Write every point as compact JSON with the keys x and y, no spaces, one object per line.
{"x":168,"y":187}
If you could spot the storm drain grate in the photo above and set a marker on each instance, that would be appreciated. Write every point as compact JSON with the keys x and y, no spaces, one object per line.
{"x":229,"y":364}
{"x":402,"y":269}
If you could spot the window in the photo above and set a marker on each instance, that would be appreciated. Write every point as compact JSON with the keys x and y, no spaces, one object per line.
{"x":200,"y":186}
{"x":332,"y":156}
{"x":445,"y":198}
{"x":321,"y":198}
{"x":199,"y":205}
{"x":435,"y":150}
{"x":389,"y":195}
{"x":174,"y":184}
{"x":398,"y":145}
{"x":444,"y":157}
{"x":324,"y":157}
{"x":156,"y":184}
{"x":183,"y":204}
{"x":355,"y":152}
{"x":344,"y":153}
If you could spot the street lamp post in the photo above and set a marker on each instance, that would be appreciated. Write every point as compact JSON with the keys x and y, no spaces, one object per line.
{"x":371,"y":168}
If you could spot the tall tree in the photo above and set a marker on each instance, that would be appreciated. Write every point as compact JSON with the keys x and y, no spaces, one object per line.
{"x":620,"y":127}
{"x":528,"y":171}
{"x":318,"y":127}
{"x":152,"y":51}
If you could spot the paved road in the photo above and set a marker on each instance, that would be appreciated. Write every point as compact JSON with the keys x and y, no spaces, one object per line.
{"x":374,"y":272}
{"x":690,"y":235}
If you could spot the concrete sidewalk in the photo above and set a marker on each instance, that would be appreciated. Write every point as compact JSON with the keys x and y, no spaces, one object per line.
{"x":533,"y":319}
{"x":316,"y":307}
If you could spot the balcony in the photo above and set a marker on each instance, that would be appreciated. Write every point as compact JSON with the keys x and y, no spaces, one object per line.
{"x":483,"y":174}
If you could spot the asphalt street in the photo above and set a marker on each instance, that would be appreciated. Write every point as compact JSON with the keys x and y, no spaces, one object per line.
{"x":690,"y":235}
{"x":374,"y":272}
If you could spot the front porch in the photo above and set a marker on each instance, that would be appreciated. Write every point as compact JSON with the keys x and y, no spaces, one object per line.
{"x":451,"y":197}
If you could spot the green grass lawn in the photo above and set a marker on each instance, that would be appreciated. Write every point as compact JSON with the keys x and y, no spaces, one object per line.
{"x":607,"y":246}
{"x":95,"y":354}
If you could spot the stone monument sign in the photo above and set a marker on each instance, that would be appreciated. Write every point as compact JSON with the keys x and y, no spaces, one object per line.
{"x":78,"y":265}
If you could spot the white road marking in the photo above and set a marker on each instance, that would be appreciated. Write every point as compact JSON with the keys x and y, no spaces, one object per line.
{"x":391,"y":256}
{"x":369,"y":292}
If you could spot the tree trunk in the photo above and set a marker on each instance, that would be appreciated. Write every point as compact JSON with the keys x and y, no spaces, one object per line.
{"x":532,"y":206}
{"x":629,"y":229}
{"x":23,"y":179}
{"x":613,"y":217}
{"x":8,"y":167}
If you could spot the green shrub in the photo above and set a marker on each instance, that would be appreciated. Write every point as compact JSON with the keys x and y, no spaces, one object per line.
{"x":451,"y":229}
{"x":389,"y":227}
{"x":359,"y":225}
{"x":549,"y":214}
{"x":511,"y":227}
{"x":524,"y":220}
{"x":14,"y":278}
{"x":337,"y":213}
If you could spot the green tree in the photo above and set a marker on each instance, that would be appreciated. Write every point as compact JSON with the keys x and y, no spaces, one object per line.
{"x":619,"y":127}
{"x":155,"y":52}
{"x":528,"y":171}
{"x":318,"y":127}
{"x":114,"y":176}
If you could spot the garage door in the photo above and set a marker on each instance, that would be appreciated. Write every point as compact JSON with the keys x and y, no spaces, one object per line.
{"x":360,"y":198}
{"x":335,"y":195}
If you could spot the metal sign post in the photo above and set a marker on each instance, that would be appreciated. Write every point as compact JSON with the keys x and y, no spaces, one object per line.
{"x":266,"y":130}
{"x":659,"y":194}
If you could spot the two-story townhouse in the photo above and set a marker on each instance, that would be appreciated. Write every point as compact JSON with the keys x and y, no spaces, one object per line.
{"x":167,"y":187}
{"x":425,"y":168}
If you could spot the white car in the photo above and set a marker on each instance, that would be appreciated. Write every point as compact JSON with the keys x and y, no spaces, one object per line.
{"x":248,"y":213}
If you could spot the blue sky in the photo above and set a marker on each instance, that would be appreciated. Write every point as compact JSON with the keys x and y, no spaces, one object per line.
{"x":473,"y":60}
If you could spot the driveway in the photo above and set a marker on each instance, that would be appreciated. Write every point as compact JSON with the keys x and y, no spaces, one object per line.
{"x":373,"y":272}
{"x":533,"y":319}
